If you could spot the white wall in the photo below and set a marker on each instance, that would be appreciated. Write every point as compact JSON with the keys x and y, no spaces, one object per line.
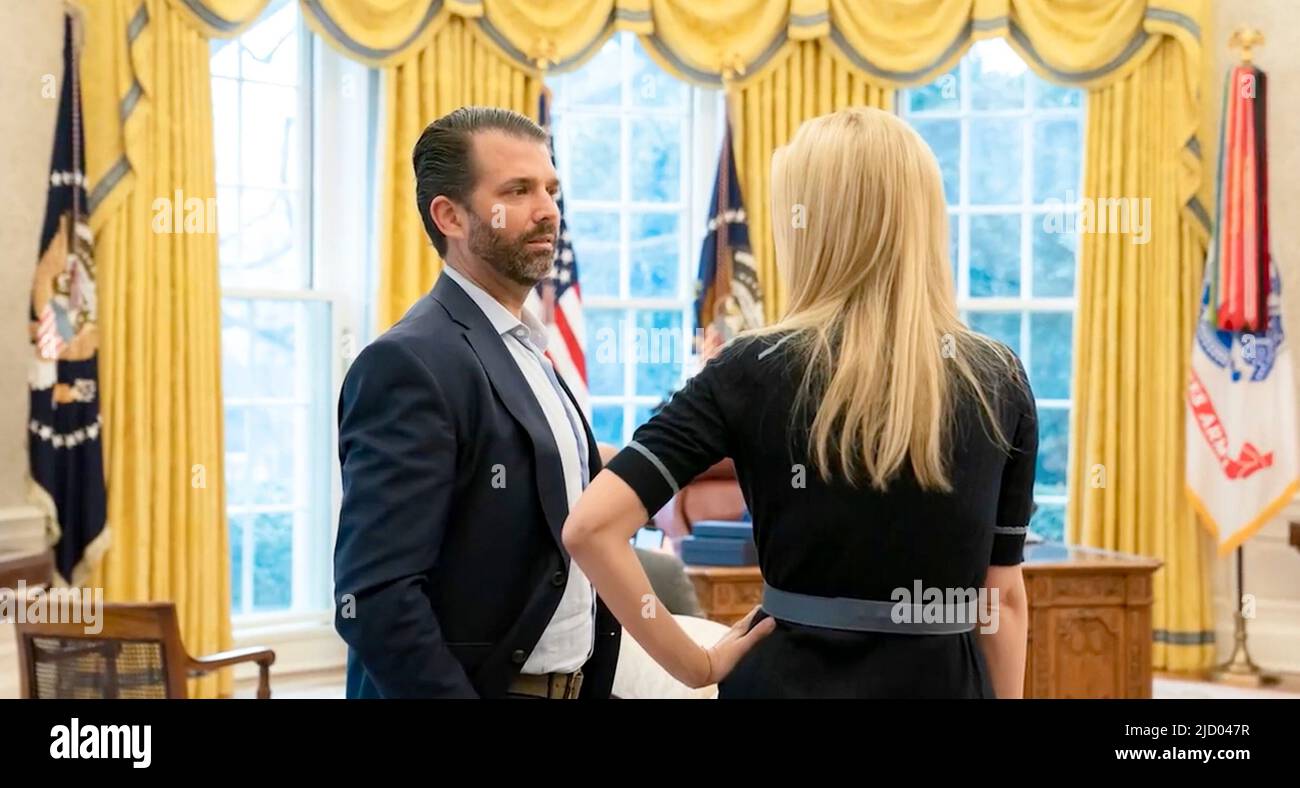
{"x":1272,"y":567}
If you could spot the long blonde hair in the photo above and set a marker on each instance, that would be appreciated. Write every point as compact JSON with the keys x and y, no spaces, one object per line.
{"x":861,"y":236}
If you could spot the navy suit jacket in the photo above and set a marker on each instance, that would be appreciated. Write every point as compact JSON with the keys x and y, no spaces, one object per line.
{"x":448,"y":564}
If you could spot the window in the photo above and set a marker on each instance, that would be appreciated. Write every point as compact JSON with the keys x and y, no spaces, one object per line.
{"x":285,"y":313}
{"x":635,"y":150}
{"x":1010,"y":148}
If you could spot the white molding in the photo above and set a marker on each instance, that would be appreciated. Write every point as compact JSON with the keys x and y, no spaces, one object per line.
{"x":306,"y":647}
{"x":22,"y":528}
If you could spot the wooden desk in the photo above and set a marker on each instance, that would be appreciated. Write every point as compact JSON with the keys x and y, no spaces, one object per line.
{"x":31,"y":568}
{"x":1089,"y":618}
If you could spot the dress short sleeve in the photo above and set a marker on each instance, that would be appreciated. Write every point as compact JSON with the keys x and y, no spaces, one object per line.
{"x":1016,"y":496}
{"x":685,"y":438}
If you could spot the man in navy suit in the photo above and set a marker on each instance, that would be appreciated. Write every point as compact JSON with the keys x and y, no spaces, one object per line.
{"x":462,"y":451}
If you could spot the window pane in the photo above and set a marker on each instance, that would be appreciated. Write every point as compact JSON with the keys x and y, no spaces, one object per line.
{"x":595,"y":168}
{"x":1050,"y":351}
{"x":995,"y":162}
{"x":997,"y":76}
{"x":1049,"y":522}
{"x":954,"y":243}
{"x":605,"y":351}
{"x":942,"y":94}
{"x":1053,"y":450}
{"x":272,"y":560}
{"x":238,"y":524}
{"x":607,"y":424}
{"x":659,"y":346}
{"x":269,"y":148}
{"x":278,"y":340}
{"x":1055,"y":254}
{"x":995,"y":255}
{"x":1049,"y":96}
{"x":277,"y":353}
{"x":225,"y":58}
{"x":656,"y":159}
{"x":271,"y":468}
{"x":270,"y":48}
{"x":236,"y":340}
{"x":594,"y":235}
{"x":655,"y":255}
{"x":1002,"y":326}
{"x":269,"y":254}
{"x":227,"y":229}
{"x":598,"y":82}
{"x":238,"y":454}
{"x":1057,"y":153}
{"x":944,"y":138}
{"x":651,"y":85}
{"x":225,"y":129}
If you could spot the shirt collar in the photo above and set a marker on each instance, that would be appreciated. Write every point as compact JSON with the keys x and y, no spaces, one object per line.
{"x":502,"y":320}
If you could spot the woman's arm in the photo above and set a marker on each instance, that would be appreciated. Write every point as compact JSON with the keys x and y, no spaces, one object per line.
{"x":1005,"y":645}
{"x":1004,"y":648}
{"x":597,"y":535}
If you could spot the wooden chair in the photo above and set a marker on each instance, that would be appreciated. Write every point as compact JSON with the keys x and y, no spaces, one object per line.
{"x":137,"y":653}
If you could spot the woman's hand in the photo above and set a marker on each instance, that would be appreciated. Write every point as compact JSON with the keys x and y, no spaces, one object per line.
{"x":728,"y":651}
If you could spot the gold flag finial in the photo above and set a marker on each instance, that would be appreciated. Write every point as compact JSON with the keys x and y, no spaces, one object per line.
{"x":1246,"y":39}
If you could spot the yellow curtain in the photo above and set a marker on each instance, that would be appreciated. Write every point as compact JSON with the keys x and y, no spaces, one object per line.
{"x":457,"y":66}
{"x":1135,"y":318}
{"x":765,"y":113}
{"x":150,"y":170}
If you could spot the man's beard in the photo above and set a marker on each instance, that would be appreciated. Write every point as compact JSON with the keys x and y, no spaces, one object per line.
{"x":512,"y":258}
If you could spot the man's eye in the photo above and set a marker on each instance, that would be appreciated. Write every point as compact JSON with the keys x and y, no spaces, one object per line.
{"x":521,"y":190}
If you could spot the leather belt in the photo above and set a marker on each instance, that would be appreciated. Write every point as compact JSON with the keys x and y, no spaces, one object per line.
{"x":547,"y":685}
{"x":865,"y":615}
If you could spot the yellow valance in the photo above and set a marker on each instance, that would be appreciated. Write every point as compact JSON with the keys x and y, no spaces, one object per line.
{"x":220,"y":18}
{"x":896,"y":42}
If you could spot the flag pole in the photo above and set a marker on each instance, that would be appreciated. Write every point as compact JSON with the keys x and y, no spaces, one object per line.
{"x":1239,"y":668}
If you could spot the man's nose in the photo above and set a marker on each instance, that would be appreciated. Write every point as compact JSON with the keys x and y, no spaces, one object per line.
{"x":547,"y":210}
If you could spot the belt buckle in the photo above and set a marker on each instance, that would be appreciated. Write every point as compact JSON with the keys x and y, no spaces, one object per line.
{"x":565,"y":685}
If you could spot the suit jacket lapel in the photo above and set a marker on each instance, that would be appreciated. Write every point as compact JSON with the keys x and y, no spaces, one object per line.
{"x":513,"y":389}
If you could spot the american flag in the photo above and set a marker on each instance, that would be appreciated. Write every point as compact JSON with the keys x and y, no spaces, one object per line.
{"x":557,"y":301}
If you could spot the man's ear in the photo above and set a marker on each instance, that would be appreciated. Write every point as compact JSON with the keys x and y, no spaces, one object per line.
{"x":450,"y":219}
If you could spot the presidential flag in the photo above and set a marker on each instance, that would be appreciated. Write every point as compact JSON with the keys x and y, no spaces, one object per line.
{"x":1243,"y":446}
{"x":728,"y":297}
{"x":64,"y":452}
{"x":557,"y":301}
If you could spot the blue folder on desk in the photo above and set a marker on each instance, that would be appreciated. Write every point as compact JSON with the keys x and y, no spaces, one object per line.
{"x":720,"y":543}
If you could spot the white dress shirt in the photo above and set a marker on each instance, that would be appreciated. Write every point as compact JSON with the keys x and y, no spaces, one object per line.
{"x":568,"y":640}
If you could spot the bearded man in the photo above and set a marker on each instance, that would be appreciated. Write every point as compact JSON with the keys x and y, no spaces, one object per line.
{"x":462,"y":451}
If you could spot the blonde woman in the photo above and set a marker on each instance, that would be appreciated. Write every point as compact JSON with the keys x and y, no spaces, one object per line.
{"x":886,"y":452}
